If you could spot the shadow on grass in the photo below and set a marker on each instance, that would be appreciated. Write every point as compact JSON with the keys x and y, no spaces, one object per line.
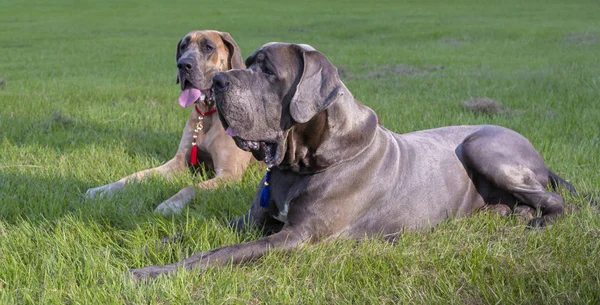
{"x":48,"y":197}
{"x":44,"y":196}
{"x":67,"y":134}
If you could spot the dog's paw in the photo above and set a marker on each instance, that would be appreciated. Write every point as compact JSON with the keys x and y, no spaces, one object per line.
{"x":537,"y":223}
{"x":98,"y":192}
{"x":104,"y":191}
{"x":149,"y":273}
{"x":168,"y":208}
{"x":524,"y":212}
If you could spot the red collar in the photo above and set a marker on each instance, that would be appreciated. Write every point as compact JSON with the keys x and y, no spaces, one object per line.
{"x":194,"y":152}
{"x":205,"y":113}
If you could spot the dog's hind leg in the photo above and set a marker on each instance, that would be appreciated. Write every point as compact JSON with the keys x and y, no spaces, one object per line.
{"x":509,"y":162}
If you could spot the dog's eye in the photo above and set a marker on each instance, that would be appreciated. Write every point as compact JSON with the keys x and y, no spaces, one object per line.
{"x":209,"y":48}
{"x":183,"y":45}
{"x":267,"y":71}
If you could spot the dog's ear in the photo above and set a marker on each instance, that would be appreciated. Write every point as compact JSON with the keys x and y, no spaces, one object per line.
{"x":177,"y":56}
{"x":319,"y":86}
{"x":252,"y":57}
{"x":235,"y":56}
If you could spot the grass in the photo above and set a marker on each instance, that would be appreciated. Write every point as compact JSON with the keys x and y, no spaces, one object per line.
{"x":89,"y":96}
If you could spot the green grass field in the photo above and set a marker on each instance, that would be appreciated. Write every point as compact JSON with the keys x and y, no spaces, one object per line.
{"x":89,"y":96}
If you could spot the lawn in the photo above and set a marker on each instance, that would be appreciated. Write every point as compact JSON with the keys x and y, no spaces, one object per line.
{"x":88,"y":96}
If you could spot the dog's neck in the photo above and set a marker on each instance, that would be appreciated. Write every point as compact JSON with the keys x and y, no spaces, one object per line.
{"x":333,"y":136}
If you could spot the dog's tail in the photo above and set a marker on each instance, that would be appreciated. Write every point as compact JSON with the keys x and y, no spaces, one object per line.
{"x":556,"y":181}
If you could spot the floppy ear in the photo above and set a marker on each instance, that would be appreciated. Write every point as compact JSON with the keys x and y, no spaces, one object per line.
{"x":177,"y":56}
{"x":318,"y":88}
{"x":252,"y":57}
{"x":235,"y":56}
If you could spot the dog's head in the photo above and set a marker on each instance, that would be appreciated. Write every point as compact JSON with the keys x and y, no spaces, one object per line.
{"x":200,"y":55}
{"x":290,"y":108}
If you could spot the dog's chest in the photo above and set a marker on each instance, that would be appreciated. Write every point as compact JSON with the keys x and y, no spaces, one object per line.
{"x":283,"y":189}
{"x":207,"y":137}
{"x":283,"y":212}
{"x":281,"y":202}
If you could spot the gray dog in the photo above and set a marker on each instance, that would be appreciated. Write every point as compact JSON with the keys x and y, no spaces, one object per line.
{"x":335,"y":172}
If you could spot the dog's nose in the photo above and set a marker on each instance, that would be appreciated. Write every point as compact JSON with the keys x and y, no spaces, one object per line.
{"x":221,"y":82}
{"x":185,"y":64}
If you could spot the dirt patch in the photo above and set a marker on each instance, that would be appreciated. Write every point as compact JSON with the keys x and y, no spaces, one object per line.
{"x":342,"y":72}
{"x":298,"y":30}
{"x":582,"y":39}
{"x":402,"y":70}
{"x":452,"y":41}
{"x":485,"y":106}
{"x":58,"y":118}
{"x":434,"y":68}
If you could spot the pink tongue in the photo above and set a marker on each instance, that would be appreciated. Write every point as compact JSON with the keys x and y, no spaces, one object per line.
{"x":188,"y":97}
{"x":230,"y":132}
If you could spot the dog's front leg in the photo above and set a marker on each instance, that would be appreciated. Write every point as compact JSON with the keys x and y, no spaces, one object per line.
{"x":177,"y":202}
{"x":175,"y":165}
{"x":285,"y":240}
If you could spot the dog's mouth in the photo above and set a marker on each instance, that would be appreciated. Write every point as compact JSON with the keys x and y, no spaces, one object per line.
{"x":262,"y":151}
{"x":190,"y":95}
{"x":265,"y":151}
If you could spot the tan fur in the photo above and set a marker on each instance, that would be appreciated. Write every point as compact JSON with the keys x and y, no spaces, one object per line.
{"x":216,"y":150}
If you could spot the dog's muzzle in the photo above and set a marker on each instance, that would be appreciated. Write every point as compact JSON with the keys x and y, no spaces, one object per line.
{"x":221,"y":83}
